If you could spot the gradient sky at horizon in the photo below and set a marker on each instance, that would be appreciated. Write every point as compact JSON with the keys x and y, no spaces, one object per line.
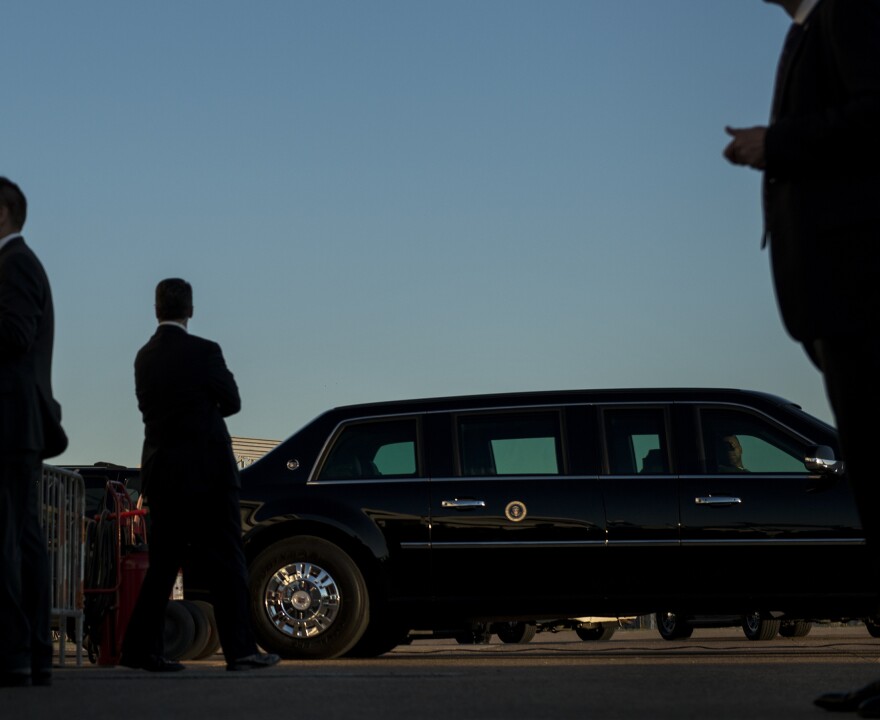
{"x":386,"y":199}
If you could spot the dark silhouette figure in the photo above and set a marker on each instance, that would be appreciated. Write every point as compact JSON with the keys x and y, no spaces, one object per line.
{"x":190,"y":480}
{"x":820,"y":155}
{"x":30,"y":430}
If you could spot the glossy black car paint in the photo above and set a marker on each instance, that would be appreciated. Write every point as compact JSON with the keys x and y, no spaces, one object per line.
{"x":591,"y":542}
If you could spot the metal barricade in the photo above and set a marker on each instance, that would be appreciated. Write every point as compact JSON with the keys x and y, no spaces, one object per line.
{"x":62,"y":501}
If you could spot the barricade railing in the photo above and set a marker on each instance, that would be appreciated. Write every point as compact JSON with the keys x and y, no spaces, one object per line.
{"x":62,"y":503}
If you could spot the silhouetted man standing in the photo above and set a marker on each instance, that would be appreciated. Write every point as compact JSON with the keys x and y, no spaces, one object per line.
{"x":821,"y":160}
{"x":190,"y":479}
{"x":30,"y":430}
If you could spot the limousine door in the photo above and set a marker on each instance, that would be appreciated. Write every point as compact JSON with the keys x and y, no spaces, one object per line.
{"x":641,"y":505}
{"x":756,"y":525}
{"x":512,"y":533}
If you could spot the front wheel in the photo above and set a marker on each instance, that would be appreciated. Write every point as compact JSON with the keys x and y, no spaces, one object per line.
{"x":308,"y":599}
{"x":758,"y":626}
{"x":873,"y":627}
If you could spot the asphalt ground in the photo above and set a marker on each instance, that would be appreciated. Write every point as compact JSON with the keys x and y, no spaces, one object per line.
{"x":716,"y":674}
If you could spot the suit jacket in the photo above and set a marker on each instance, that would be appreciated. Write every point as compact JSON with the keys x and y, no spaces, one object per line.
{"x":30,"y":418}
{"x":822,"y":177}
{"x":184,"y":391}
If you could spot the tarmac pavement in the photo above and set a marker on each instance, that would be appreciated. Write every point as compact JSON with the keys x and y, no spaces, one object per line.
{"x":715,"y":675}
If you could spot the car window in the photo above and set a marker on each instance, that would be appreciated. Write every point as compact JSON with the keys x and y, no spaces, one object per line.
{"x":635,"y":441}
{"x":510,"y":444}
{"x":737,"y":441}
{"x":374,"y":449}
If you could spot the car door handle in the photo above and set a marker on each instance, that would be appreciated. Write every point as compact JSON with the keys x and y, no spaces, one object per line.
{"x":467,"y":504}
{"x":717,"y":500}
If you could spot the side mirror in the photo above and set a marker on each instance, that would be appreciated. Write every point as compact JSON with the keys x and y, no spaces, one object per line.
{"x":820,"y":459}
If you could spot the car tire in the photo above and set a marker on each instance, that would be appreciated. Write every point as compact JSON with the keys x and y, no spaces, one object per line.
{"x":180,"y":630}
{"x":795,"y":628}
{"x":308,"y":599}
{"x":383,"y":634}
{"x":212,"y":646}
{"x":759,"y":626}
{"x":515,"y":633}
{"x":873,"y":627}
{"x":201,"y":634}
{"x":672,"y":626}
{"x":601,"y":633}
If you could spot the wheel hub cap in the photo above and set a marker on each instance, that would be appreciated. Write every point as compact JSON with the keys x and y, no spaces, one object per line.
{"x":302,"y":600}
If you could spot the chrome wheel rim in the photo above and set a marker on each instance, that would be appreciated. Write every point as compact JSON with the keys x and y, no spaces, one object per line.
{"x":668,"y":622}
{"x":753,"y":621}
{"x":302,"y":600}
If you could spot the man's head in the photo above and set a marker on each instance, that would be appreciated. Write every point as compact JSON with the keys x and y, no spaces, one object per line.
{"x":13,"y":207}
{"x":174,"y":300}
{"x":731,"y":451}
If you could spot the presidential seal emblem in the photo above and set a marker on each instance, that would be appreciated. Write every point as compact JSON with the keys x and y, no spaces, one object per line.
{"x":515,"y":511}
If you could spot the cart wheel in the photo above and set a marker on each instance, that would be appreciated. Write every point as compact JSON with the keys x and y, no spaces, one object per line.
{"x":180,"y":630}
{"x":212,"y":647}
{"x":201,"y":634}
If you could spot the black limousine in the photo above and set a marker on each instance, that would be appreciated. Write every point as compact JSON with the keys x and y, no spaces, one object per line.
{"x":452,"y":513}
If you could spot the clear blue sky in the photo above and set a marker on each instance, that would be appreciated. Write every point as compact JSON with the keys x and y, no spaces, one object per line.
{"x":380,"y":199}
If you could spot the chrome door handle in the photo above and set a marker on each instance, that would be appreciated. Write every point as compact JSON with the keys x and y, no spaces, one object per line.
{"x":463,"y":504}
{"x":717,"y":500}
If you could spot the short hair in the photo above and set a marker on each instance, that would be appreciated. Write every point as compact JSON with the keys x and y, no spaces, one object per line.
{"x":13,"y":198}
{"x":174,"y":299}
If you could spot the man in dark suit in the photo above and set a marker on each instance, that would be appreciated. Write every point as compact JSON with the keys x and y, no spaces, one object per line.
{"x":820,"y":156}
{"x":30,"y":430}
{"x":190,"y":479}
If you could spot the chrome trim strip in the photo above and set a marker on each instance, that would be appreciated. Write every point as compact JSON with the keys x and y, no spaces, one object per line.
{"x":482,"y":545}
{"x":814,"y":542}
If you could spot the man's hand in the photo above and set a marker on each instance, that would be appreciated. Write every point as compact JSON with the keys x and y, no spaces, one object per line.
{"x":747,"y":146}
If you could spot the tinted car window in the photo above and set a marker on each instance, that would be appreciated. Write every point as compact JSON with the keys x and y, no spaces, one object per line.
{"x":510,"y":444}
{"x":372,"y":450}
{"x":636,"y":441}
{"x":736,"y":441}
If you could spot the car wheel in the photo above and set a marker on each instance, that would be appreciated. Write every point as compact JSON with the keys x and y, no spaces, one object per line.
{"x":757,"y":626}
{"x":601,"y":633}
{"x":873,"y":626}
{"x":672,"y":627}
{"x":515,"y":633}
{"x":795,"y":628}
{"x":212,"y":647}
{"x":308,"y":599}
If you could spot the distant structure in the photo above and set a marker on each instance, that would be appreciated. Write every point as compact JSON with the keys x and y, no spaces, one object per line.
{"x":248,"y":450}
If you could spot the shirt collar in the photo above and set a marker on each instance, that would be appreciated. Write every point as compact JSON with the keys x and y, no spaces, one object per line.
{"x":804,"y":10}
{"x":8,"y":238}
{"x":174,"y":324}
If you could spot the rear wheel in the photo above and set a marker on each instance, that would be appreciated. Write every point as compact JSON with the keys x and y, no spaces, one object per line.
{"x":515,"y":633}
{"x":600,"y":632}
{"x":759,"y":626}
{"x":308,"y":599}
{"x":672,"y":626}
{"x":795,"y":628}
{"x":873,"y":626}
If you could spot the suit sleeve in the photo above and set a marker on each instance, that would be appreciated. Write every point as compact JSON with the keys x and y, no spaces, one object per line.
{"x":843,"y":135}
{"x":222,"y":383}
{"x":21,"y":305}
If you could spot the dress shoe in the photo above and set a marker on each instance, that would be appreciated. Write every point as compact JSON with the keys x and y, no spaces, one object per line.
{"x":14,"y":678}
{"x":849,"y":701}
{"x":151,"y":663}
{"x":253,"y":662}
